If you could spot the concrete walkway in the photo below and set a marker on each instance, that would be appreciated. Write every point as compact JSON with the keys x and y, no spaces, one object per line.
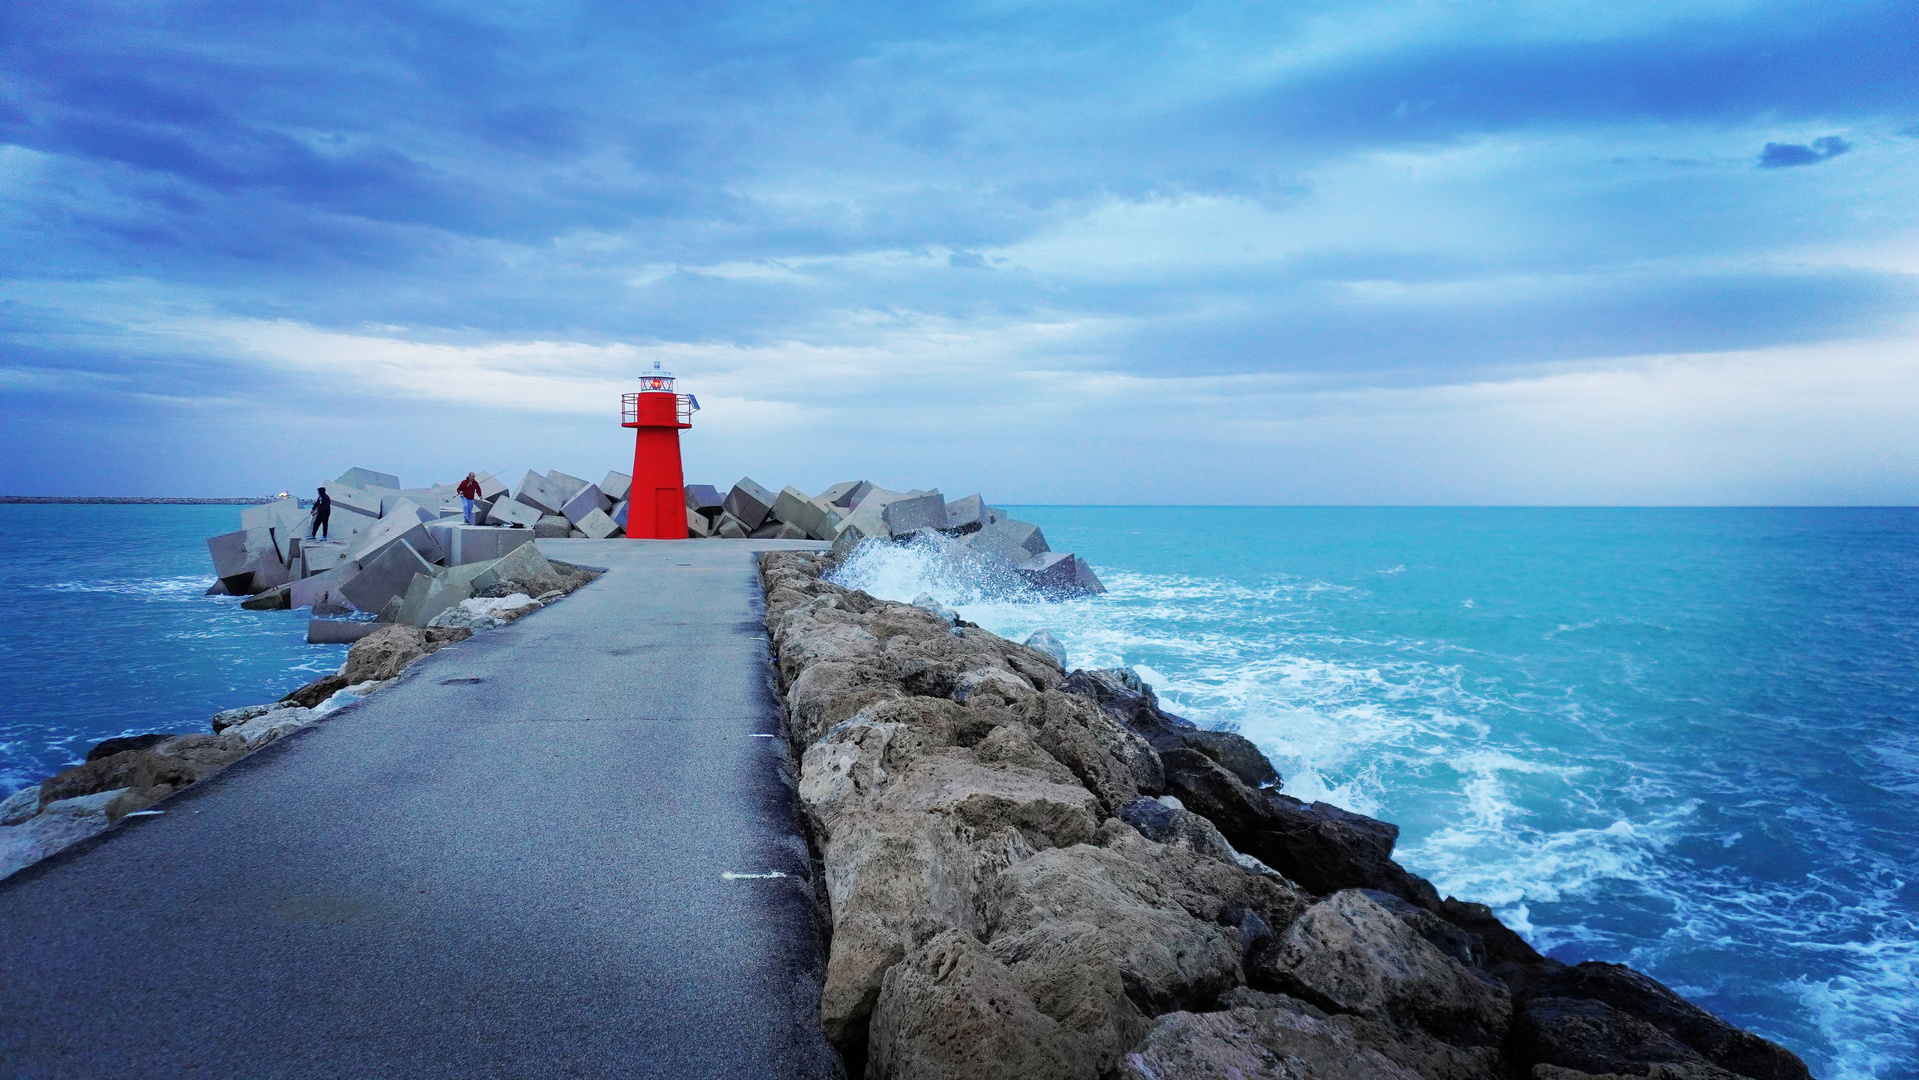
{"x":514,"y":862}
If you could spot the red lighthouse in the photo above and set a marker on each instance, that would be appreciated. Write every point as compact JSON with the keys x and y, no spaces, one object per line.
{"x":656,"y":503}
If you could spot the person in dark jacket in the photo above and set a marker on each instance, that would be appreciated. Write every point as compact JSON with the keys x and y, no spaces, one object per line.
{"x":322,"y":510}
{"x":469,"y":491}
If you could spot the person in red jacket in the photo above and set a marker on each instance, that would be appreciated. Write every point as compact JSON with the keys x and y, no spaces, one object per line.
{"x":469,"y":492}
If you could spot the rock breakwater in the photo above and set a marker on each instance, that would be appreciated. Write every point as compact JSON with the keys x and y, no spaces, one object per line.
{"x":1036,"y":873}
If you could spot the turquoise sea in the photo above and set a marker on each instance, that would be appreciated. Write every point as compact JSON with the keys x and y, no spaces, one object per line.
{"x":1682,"y":739}
{"x":1687,"y":740}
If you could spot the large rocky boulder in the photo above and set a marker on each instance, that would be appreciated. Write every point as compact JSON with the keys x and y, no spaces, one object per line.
{"x":1256,"y":1044}
{"x":1351,"y":954}
{"x":953,"y":1012}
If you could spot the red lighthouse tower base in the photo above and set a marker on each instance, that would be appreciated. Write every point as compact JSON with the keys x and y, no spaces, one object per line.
{"x":656,"y":503}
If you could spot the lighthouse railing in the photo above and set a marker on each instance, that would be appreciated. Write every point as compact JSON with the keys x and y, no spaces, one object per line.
{"x":629,"y":409}
{"x":684,"y":406}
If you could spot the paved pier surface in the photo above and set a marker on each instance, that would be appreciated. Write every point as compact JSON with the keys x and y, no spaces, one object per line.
{"x":510,"y":863}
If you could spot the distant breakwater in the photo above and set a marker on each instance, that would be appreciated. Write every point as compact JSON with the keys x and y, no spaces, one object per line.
{"x":131,"y":500}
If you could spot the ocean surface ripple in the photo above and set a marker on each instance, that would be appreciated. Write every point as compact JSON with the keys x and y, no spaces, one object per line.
{"x":1682,"y":739}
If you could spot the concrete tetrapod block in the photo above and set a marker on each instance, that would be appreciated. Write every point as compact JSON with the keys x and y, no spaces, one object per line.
{"x":323,"y":588}
{"x":429,"y":595}
{"x":353,"y":500}
{"x":463,"y":544}
{"x":966,"y":515}
{"x":1013,"y":542}
{"x":729,"y":527}
{"x":538,"y":494}
{"x":846,"y":493}
{"x":512,"y":512}
{"x":877,"y":497}
{"x":908,"y":516}
{"x":563,"y":485}
{"x":319,"y":556}
{"x":268,"y":515}
{"x":392,"y":505}
{"x":616,"y":485}
{"x":403,"y":526}
{"x":597,"y":525}
{"x":552,"y":527}
{"x":359,"y":478}
{"x":618,"y":513}
{"x":386,"y":576}
{"x":793,"y":507}
{"x":585,"y":501}
{"x":247,"y":561}
{"x":339,"y":631}
{"x":870,"y":520}
{"x":851,"y":535}
{"x":706,"y":500}
{"x":1059,"y":573}
{"x":524,"y":564}
{"x":491,"y":487}
{"x":697,"y":527}
{"x":830,"y":518}
{"x":749,"y":502}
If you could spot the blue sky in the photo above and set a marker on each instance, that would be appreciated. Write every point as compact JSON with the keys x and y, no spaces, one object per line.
{"x":1061,"y":252}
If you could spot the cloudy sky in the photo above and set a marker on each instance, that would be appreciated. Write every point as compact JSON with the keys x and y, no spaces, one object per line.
{"x":1285,"y":252}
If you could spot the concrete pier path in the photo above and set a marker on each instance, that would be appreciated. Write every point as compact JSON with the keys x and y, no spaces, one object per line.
{"x":544,"y":852}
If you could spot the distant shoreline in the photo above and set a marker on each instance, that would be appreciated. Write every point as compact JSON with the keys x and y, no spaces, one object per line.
{"x":128,"y":500}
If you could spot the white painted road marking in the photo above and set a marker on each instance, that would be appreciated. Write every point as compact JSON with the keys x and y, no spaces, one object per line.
{"x":730,"y":876}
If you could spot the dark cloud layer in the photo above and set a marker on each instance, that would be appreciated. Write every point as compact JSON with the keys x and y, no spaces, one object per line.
{"x":603,"y":172}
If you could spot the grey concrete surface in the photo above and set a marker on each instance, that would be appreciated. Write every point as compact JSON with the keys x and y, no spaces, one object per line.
{"x":511,"y":863}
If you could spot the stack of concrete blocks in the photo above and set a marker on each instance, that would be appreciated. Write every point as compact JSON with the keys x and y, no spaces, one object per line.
{"x":989,"y":543}
{"x":380,"y":537}
{"x":429,"y":594}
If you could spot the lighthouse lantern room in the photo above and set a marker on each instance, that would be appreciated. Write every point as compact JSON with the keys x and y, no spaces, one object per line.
{"x":656,"y":503}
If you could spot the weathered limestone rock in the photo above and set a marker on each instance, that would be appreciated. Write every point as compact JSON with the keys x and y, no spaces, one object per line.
{"x":383,"y":654}
{"x":1084,"y":899}
{"x":552,"y":527}
{"x":953,"y":1012}
{"x":58,"y":825}
{"x":1249,"y":1044}
{"x":1356,"y":956}
{"x":1647,"y":999}
{"x":1045,"y":642}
